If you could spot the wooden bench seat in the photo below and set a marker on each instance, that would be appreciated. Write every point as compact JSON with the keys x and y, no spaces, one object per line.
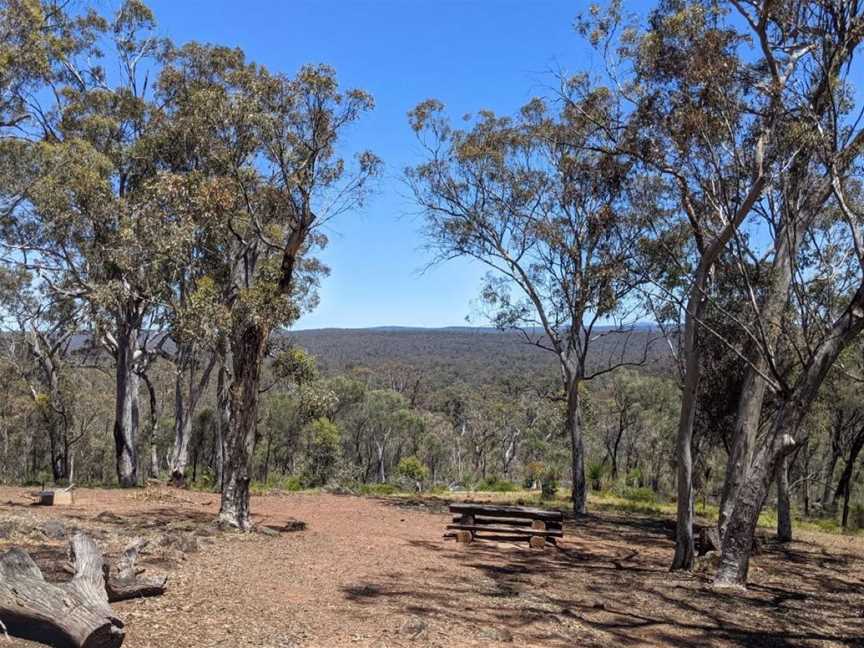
{"x":527,"y":532}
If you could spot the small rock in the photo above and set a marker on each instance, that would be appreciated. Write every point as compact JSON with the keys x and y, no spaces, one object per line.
{"x":502,"y":635}
{"x":53,"y":529}
{"x":413,"y":627}
{"x":183,"y":542}
{"x":206,"y":532}
{"x":293,"y":525}
{"x":268,"y":531}
{"x":7,"y":528}
{"x":109,"y":518}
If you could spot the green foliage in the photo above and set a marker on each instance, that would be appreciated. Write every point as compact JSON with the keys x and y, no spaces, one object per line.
{"x":323,"y":452}
{"x":277,"y":483}
{"x":378,"y":489}
{"x":205,"y":482}
{"x":534,"y":471}
{"x":595,"y":473}
{"x":412,"y":468}
{"x":634,"y":477}
{"x":494,"y":484}
{"x":549,"y":484}
{"x":295,"y":365}
{"x":644,"y":495}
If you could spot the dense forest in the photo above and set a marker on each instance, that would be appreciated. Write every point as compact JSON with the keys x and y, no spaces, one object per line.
{"x":674,"y":247}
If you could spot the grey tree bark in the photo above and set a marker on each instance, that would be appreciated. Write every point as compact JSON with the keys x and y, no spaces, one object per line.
{"x":784,"y":513}
{"x":153,"y":465}
{"x":754,"y":386}
{"x":187,"y":395}
{"x":223,"y":405}
{"x":685,"y":543}
{"x":126,"y":418}
{"x":247,"y":351}
{"x":578,"y":494}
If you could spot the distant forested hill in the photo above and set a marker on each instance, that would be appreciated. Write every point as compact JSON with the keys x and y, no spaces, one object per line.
{"x":473,"y":355}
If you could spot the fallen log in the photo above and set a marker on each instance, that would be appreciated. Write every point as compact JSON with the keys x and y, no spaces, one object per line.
{"x":123,"y":580}
{"x":75,"y":614}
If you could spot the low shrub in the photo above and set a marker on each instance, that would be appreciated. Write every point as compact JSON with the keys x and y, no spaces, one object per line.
{"x":496,"y":485}
{"x":596,"y":473}
{"x":645,"y":495}
{"x":377,"y":489}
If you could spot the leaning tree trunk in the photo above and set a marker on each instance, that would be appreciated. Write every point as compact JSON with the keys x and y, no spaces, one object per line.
{"x":126,"y":406}
{"x":746,"y":427}
{"x":754,"y":386}
{"x":247,"y":350}
{"x":784,"y":513}
{"x":685,"y":545}
{"x":738,"y":540}
{"x":577,"y":447}
{"x":73,"y":614}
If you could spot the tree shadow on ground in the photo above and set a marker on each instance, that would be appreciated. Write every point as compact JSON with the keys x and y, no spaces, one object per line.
{"x":608,"y":584}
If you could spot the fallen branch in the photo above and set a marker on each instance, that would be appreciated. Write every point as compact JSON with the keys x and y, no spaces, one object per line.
{"x":75,"y":614}
{"x":123,"y":581}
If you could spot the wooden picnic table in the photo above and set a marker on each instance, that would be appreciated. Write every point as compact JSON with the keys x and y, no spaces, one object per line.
{"x":490,"y":522}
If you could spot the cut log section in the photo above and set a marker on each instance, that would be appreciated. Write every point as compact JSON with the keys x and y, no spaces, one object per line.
{"x":123,"y":581}
{"x":73,"y":614}
{"x":464,"y":537}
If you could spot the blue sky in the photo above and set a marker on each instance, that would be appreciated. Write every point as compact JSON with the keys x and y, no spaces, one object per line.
{"x":470,"y":54}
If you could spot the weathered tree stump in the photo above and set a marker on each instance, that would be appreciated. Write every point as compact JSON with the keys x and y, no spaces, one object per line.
{"x":75,"y":614}
{"x":123,"y":580}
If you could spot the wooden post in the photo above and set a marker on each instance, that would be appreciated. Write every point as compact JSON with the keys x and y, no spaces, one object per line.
{"x":64,"y":497}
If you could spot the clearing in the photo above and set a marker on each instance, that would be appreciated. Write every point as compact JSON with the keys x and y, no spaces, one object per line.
{"x":376,"y":572}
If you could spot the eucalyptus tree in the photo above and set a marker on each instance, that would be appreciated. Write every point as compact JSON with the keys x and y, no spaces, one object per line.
{"x":267,"y":142}
{"x":39,"y":332}
{"x":94,"y":218}
{"x":534,"y":199}
{"x":38,"y":39}
{"x":735,"y":113}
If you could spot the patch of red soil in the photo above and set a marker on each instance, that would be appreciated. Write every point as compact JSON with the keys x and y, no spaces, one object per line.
{"x":368,"y":572}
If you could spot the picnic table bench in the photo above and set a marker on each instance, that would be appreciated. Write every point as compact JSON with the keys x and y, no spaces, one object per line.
{"x":507,"y":523}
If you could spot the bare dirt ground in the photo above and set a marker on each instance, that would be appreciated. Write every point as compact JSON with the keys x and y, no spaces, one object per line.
{"x":368,"y":572}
